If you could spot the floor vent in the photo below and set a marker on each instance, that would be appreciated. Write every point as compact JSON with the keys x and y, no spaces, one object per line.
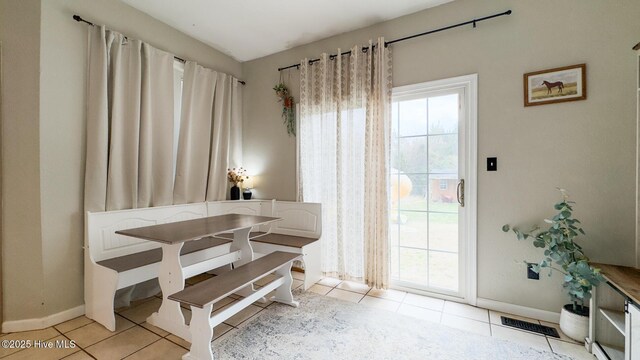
{"x":523,"y":325}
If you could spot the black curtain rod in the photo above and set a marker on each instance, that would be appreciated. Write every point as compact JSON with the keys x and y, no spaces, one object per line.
{"x":387,"y":43}
{"x":79,"y":19}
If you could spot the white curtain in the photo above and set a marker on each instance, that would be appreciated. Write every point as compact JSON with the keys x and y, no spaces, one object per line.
{"x":129,"y":160}
{"x":344,"y":137}
{"x":210,"y":134}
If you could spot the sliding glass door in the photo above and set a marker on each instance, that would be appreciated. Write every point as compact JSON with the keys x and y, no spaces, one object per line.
{"x":427,"y":189}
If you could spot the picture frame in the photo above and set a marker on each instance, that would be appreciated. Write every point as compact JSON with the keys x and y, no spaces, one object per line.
{"x":568,"y":83}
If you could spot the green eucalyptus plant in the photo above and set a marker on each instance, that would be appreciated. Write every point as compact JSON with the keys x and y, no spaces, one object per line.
{"x":562,"y":253}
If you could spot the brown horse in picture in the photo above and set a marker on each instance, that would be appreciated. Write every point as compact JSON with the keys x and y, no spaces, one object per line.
{"x":558,"y":84}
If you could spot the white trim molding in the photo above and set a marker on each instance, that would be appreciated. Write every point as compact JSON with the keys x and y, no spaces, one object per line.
{"x":42,"y":323}
{"x":519,"y":310}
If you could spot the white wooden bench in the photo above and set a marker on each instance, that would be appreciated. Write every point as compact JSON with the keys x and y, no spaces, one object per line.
{"x":114,"y":262}
{"x":298,"y":232}
{"x":201,"y":297}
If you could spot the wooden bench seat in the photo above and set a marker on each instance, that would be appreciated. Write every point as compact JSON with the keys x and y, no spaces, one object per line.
{"x":201,"y":297}
{"x":276,"y":239}
{"x":144,"y":258}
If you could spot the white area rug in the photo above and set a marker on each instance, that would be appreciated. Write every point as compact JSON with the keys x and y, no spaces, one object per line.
{"x":326,"y":328}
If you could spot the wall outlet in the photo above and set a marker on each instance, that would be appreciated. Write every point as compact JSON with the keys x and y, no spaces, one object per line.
{"x":532,"y":274}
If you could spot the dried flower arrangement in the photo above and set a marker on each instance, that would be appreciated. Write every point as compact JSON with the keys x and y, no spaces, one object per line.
{"x":288,"y":115}
{"x":236,"y":176}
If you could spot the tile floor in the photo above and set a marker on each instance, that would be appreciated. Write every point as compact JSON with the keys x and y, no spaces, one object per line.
{"x":135,"y":339}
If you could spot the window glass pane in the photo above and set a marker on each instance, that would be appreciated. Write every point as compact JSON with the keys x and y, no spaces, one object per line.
{"x":413,"y":229}
{"x":443,"y":232}
{"x":443,"y":270}
{"x":443,"y":154}
{"x":394,"y":119}
{"x":394,"y":261}
{"x":413,"y":117}
{"x":412,"y":157}
{"x":414,"y":192}
{"x":443,"y":198}
{"x":443,"y":114}
{"x":413,"y":265}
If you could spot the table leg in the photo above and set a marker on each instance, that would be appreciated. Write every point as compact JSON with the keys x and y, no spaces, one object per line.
{"x":169,"y":317}
{"x":241,"y":242}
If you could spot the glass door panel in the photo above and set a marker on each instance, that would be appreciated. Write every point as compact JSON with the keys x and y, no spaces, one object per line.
{"x":424,"y":221}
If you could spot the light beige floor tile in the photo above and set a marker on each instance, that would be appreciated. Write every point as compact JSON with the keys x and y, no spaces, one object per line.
{"x":161,"y":349}
{"x":494,"y":317}
{"x":61,"y":348}
{"x":420,"y":313}
{"x":80,"y":355}
{"x":388,"y":294}
{"x":223,"y":303}
{"x":94,"y":332}
{"x":154,"y":329}
{"x":576,"y":351}
{"x":73,"y":324}
{"x":379,"y":303}
{"x":320,"y":289}
{"x":44,"y":334}
{"x":297,"y":275}
{"x":296,"y":284}
{"x":521,"y":337}
{"x":424,"y":301}
{"x":141,"y":312}
{"x":563,"y":337}
{"x":466,"y":324}
{"x":135,"y":303}
{"x":332,"y":282}
{"x":265,"y":280}
{"x":123,"y":344}
{"x":222,"y":336}
{"x":467,"y":311}
{"x":243,"y":315}
{"x":218,"y":331}
{"x":345,"y":295}
{"x":179,"y":341}
{"x":354,"y":286}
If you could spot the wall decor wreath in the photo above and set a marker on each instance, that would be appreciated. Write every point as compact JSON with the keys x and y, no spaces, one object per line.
{"x":288,"y":113}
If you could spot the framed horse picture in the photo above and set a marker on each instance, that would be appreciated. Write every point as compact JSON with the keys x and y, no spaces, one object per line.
{"x":562,"y":84}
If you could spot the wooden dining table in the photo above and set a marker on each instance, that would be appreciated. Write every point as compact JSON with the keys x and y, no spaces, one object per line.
{"x":171,"y":273}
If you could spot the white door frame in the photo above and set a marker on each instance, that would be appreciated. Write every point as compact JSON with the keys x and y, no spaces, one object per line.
{"x":470,"y":137}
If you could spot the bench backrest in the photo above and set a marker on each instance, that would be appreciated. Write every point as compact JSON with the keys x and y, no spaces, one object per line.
{"x":298,"y":218}
{"x":234,"y":207}
{"x":104,"y":243}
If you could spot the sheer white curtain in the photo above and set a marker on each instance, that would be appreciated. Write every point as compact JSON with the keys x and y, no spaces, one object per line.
{"x":210,"y":134}
{"x":129,"y":160}
{"x":343,"y":143}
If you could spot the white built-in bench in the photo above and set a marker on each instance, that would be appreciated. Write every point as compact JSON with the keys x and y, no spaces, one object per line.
{"x":114,"y":262}
{"x":298,"y":231}
{"x":202,"y":296}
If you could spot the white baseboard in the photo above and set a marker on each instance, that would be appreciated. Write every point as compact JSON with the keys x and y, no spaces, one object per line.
{"x":42,"y":323}
{"x":549,"y":316}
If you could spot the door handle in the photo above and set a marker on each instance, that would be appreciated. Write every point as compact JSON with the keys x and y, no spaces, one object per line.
{"x":460,"y":192}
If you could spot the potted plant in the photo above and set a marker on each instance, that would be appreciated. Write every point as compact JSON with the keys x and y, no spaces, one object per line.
{"x":563,"y":254}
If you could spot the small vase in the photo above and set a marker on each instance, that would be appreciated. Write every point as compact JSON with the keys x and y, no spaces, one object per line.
{"x":235,"y":193}
{"x":246,"y":194}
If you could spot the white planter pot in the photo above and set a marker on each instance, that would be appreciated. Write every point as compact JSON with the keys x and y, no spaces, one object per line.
{"x":573,"y":325}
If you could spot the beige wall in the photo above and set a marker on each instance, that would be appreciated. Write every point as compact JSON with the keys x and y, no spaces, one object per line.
{"x":44,"y":141}
{"x":587,"y":147}
{"x":21,"y":248}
